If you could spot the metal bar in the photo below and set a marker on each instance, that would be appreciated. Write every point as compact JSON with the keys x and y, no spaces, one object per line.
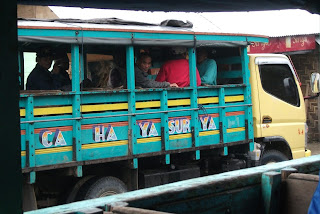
{"x":121,"y":115}
{"x":247,"y":96}
{"x":194,"y":100}
{"x":164,"y":125}
{"x":76,"y":108}
{"x":132,"y":120}
{"x":30,"y":139}
{"x":75,"y":68}
{"x":222,"y":118}
{"x":127,"y":157}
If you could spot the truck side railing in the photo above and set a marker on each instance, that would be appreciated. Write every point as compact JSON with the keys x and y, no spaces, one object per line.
{"x":252,"y":190}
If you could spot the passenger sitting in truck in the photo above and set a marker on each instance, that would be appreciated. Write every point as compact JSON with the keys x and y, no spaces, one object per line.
{"x":108,"y":75}
{"x":59,"y":72}
{"x":40,"y":78}
{"x":207,"y":67}
{"x":141,"y":69}
{"x":176,"y":70}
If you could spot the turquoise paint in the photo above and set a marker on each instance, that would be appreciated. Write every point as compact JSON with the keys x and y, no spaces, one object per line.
{"x":30,"y":143}
{"x":225,"y":151}
{"x":230,"y":74}
{"x":79,"y":137}
{"x":194,"y":100}
{"x":143,"y":148}
{"x":270,"y":188}
{"x":47,"y":32}
{"x":229,"y":60}
{"x":164,"y":125}
{"x":105,"y":152}
{"x":203,"y":188}
{"x":209,"y":140}
{"x":53,"y":158}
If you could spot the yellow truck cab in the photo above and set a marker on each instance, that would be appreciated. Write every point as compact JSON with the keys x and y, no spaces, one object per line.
{"x":278,"y":109}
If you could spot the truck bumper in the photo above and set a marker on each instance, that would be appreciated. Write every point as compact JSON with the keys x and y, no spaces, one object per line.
{"x":307,"y":153}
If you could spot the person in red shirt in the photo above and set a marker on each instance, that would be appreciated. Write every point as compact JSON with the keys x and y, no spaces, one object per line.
{"x":176,"y":70}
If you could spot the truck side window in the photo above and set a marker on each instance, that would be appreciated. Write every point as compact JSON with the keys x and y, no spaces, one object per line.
{"x":279,"y":81}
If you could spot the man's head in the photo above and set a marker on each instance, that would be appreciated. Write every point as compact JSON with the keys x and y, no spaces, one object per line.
{"x":144,"y":62}
{"x":44,"y":57}
{"x":62,"y":61}
{"x":179,"y":51}
{"x":202,"y":54}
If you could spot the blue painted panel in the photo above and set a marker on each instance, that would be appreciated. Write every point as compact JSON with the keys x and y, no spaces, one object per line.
{"x":111,"y":132}
{"x":229,"y":60}
{"x":22,"y":102}
{"x":53,"y":158}
{"x":45,"y":32}
{"x":180,"y":143}
{"x":106,"y":152}
{"x":23,"y":162}
{"x":179,"y":113}
{"x":235,"y":121}
{"x":52,"y":138}
{"x":234,"y":91}
{"x":148,"y":96}
{"x":53,"y":123}
{"x":235,"y":136}
{"x":23,"y":142}
{"x":209,"y":140}
{"x":147,"y":114}
{"x":57,"y":118}
{"x":120,"y":35}
{"x":230,"y":74}
{"x":148,"y":128}
{"x":104,"y":98}
{"x":53,"y":100}
{"x":230,"y":38}
{"x":104,"y":116}
{"x":163,"y":36}
{"x":104,"y":120}
{"x":149,"y":147}
{"x":207,"y":92}
{"x":179,"y":93}
{"x":208,"y":122}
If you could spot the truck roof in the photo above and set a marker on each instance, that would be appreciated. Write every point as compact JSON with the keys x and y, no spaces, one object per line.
{"x":141,"y":33}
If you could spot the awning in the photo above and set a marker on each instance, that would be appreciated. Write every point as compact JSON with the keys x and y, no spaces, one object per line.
{"x":284,"y":44}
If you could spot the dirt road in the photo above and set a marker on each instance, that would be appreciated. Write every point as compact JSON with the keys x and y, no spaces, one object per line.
{"x":314,"y":147}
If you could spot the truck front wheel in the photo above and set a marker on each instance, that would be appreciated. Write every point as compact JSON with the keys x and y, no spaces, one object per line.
{"x":101,"y":187}
{"x":272,"y":156}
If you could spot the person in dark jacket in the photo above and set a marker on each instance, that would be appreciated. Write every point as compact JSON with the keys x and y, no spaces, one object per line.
{"x":40,"y":77}
{"x":59,"y":72}
{"x":141,"y":69}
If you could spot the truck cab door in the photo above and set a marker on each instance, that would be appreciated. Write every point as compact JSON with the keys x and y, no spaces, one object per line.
{"x":282,"y":110}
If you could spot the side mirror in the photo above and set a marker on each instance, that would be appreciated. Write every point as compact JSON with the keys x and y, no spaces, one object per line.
{"x":315,"y":83}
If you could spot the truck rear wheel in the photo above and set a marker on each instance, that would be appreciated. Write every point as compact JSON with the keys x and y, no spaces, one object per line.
{"x":100,"y":187}
{"x":272,"y":156}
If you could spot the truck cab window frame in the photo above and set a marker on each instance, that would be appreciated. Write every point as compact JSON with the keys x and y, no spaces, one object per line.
{"x":278,"y":80}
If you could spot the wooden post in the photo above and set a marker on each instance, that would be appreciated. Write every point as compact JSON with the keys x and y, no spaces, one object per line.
{"x":270,"y":188}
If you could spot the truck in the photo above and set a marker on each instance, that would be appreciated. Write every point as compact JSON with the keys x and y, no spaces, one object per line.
{"x":87,"y":142}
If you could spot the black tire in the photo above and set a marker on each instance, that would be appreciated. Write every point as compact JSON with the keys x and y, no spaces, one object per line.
{"x":101,"y":186}
{"x":272,"y":156}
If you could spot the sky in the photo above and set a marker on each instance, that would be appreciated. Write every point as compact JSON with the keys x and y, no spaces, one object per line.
{"x":270,"y":23}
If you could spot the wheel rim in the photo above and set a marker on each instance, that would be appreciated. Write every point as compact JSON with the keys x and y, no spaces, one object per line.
{"x":271,"y":162}
{"x":107,"y":193}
